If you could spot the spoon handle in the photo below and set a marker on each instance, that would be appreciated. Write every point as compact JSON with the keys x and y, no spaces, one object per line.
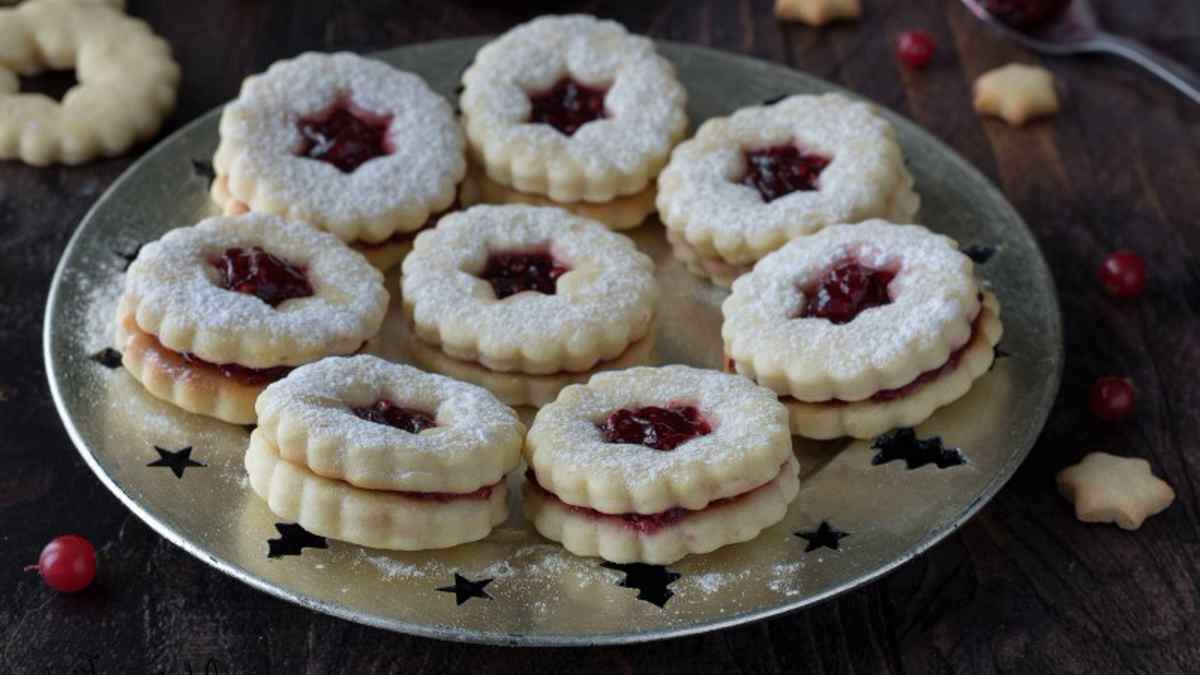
{"x":1176,"y":74}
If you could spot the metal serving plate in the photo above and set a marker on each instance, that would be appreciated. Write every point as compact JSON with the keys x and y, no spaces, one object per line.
{"x":539,"y":594}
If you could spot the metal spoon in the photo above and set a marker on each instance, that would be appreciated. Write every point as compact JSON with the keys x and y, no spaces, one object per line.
{"x":1076,"y":31}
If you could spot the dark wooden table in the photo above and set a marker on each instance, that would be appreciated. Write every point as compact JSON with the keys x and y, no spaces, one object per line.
{"x":1023,"y":588}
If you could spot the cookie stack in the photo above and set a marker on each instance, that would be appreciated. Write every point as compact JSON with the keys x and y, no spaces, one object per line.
{"x":384,"y":455}
{"x":525,"y":300}
{"x":575,"y":112}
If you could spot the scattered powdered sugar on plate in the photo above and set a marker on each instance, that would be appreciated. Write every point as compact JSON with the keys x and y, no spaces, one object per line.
{"x":392,"y":568}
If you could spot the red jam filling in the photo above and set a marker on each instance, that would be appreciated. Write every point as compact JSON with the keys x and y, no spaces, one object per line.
{"x":845,"y":291}
{"x":643,"y":523}
{"x":256,"y":272}
{"x":782,"y":170}
{"x":1026,"y":14}
{"x":567,"y":105}
{"x":512,"y":273}
{"x":654,"y":427}
{"x":344,"y":137}
{"x":251,"y":377}
{"x":387,"y":413}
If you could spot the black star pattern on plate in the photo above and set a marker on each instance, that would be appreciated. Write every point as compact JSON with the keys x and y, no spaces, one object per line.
{"x":292,"y":540}
{"x":176,"y":460}
{"x":825,"y":536}
{"x":107,"y":357}
{"x":464,"y":589}
{"x":916,"y":452}
{"x":129,"y":256}
{"x":204,"y":170}
{"x":980,"y":253}
{"x":651,"y":581}
{"x":775,"y":99}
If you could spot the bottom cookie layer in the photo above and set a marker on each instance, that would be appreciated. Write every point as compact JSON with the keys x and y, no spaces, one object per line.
{"x":589,"y":533}
{"x":375,"y":518}
{"x":170,"y":377}
{"x":520,"y":388}
{"x":868,"y":418}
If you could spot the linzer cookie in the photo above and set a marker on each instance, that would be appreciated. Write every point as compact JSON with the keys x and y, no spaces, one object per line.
{"x":652,"y":464}
{"x":747,"y":184}
{"x":574,"y":110}
{"x":349,"y":144}
{"x":213,"y":313}
{"x":862,"y":328}
{"x":384,"y":455}
{"x":526,"y":300}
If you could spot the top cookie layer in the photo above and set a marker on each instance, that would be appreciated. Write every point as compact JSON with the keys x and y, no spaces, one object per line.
{"x":396,"y":192}
{"x":173,"y":287}
{"x":311,"y":418}
{"x":601,"y":304}
{"x":701,"y":194}
{"x":616,"y":155}
{"x":934,"y":298}
{"x":747,"y":444}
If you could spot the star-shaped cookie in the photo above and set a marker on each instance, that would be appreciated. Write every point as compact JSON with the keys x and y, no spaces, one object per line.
{"x":1016,"y":93}
{"x":1110,"y":489}
{"x":817,"y":12}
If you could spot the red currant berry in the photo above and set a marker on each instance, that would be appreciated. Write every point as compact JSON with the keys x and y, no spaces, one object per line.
{"x":67,"y":564}
{"x":1123,"y":274}
{"x":915,"y":48}
{"x":1112,"y":398}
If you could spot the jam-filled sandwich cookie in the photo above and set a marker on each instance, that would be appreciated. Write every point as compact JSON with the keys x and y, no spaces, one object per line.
{"x":862,"y":328}
{"x":574,"y":110}
{"x":652,"y":464}
{"x":525,"y":300}
{"x":747,"y":184}
{"x":384,"y":455}
{"x":349,"y":144}
{"x":127,"y":82}
{"x":213,"y":313}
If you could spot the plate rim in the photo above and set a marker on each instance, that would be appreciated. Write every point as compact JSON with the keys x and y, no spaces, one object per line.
{"x":931,"y":539}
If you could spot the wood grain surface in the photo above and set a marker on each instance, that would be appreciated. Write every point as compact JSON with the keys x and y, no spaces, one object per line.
{"x":1023,"y":588}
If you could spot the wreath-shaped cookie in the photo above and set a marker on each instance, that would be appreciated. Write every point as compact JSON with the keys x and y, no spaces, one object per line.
{"x":127,"y":82}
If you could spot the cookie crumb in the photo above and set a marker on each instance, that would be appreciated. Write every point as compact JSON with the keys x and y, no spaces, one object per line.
{"x":1016,"y":93}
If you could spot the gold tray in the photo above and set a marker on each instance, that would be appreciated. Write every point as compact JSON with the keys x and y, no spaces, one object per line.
{"x":539,"y":593}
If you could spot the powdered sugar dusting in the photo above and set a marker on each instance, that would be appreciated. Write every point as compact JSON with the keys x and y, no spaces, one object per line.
{"x":645,"y":102}
{"x":174,"y":291}
{"x":398,"y":191}
{"x":700,"y":193}
{"x":934,"y":299}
